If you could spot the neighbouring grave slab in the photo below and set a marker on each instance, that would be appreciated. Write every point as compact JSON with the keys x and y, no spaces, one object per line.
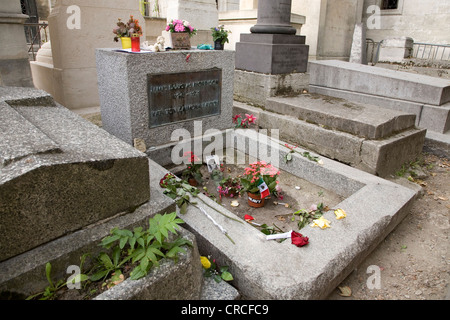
{"x":147,"y":96}
{"x":59,"y":173}
{"x":377,"y":81}
{"x":24,"y":274}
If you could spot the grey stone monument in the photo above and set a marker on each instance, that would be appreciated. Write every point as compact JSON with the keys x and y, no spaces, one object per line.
{"x":272,"y":46}
{"x":272,"y":60}
{"x":146,"y":97}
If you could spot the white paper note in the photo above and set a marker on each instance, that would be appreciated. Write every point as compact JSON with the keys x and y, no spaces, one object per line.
{"x":279,"y":236}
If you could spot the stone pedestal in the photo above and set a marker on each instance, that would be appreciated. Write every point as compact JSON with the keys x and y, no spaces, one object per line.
{"x":147,"y":96}
{"x":272,"y":47}
{"x":270,"y":54}
{"x":14,"y":64}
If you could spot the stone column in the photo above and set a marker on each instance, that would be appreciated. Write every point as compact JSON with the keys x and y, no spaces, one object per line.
{"x":272,"y":47}
{"x":72,"y":78}
{"x":14,"y":64}
{"x":274,"y":17}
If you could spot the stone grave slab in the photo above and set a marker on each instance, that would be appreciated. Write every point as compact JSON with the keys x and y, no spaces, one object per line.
{"x":59,"y":172}
{"x":377,"y":81}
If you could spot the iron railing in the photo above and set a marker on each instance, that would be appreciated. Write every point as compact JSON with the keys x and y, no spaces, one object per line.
{"x":371,"y":50}
{"x":431,"y":51}
{"x":36,"y":35}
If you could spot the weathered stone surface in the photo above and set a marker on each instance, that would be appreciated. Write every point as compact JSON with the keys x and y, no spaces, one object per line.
{"x":254,"y":88}
{"x":396,"y":49}
{"x":437,"y":119}
{"x":358,"y":53}
{"x":25,"y":274}
{"x":362,"y":120}
{"x":59,"y":172}
{"x":389,"y":103}
{"x":123,"y":88}
{"x":380,"y":156}
{"x":379,"y":82}
{"x":384,"y":157}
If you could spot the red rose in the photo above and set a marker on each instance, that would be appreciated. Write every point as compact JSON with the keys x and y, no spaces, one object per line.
{"x":298,"y":239}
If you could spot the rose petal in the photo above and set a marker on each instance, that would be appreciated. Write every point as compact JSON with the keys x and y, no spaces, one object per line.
{"x":340,"y":214}
{"x":298,"y":239}
{"x":322,"y":223}
{"x":248,"y":218}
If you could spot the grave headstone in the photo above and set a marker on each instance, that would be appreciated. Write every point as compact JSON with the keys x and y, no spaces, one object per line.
{"x":149,"y":95}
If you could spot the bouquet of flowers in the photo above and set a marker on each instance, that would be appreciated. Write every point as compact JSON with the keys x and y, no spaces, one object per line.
{"x":176,"y":25}
{"x":261,"y":177}
{"x":230,"y":187}
{"x":128,"y":29}
{"x":241,"y":122}
{"x":220,"y":34}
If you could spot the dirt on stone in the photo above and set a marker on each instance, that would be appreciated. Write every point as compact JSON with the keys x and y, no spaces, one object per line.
{"x":414,"y":259}
{"x":277,"y":213}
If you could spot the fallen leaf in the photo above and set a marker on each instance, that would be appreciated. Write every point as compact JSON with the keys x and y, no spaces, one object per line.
{"x":345,"y":291}
{"x":442,"y":198}
{"x":280,"y":218}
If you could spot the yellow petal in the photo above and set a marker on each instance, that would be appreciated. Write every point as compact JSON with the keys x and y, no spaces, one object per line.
{"x":340,"y":214}
{"x":322,"y":223}
{"x":205,"y":262}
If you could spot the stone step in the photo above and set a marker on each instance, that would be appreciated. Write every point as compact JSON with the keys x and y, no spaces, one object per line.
{"x":366,"y":121}
{"x":379,"y":82}
{"x":381,"y":157}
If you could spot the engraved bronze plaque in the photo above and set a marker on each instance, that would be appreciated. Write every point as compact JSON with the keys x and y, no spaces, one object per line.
{"x":176,"y":97}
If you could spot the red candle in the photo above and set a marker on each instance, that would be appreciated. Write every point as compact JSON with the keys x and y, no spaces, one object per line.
{"x":135,"y":43}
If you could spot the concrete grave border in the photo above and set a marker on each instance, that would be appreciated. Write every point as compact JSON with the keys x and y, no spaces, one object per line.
{"x":268,"y":270}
